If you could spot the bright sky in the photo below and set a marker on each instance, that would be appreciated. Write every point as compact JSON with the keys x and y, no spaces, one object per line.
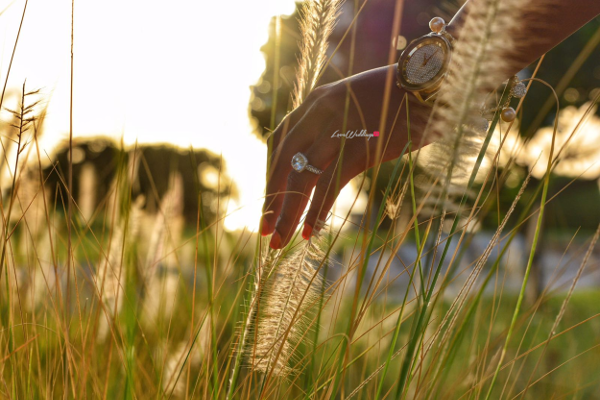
{"x":176,"y":72}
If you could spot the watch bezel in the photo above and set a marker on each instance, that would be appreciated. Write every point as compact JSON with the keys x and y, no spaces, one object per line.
{"x":434,"y":82}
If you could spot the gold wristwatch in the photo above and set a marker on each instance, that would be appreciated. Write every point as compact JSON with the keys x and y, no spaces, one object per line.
{"x":424,"y":63}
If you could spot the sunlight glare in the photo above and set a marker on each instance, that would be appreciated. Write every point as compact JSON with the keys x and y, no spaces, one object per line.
{"x":147,"y":71}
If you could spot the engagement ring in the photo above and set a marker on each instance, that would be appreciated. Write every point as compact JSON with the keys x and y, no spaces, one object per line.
{"x":300,"y":163}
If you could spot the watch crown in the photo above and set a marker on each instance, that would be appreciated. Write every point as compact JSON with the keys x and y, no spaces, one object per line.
{"x":437,"y":24}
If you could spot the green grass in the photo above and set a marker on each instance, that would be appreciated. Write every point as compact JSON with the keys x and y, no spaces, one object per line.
{"x":138,"y":303}
{"x":131,"y":361}
{"x":401,"y":344}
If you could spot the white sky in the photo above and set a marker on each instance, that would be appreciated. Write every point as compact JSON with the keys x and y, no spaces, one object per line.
{"x":176,"y":72}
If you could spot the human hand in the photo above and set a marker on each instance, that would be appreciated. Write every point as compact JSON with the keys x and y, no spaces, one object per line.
{"x":316,"y":130}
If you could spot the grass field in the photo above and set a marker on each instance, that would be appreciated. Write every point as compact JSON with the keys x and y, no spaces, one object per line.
{"x":124,"y":296}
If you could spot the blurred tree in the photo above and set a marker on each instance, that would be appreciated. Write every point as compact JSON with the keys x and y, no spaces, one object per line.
{"x":200,"y":170}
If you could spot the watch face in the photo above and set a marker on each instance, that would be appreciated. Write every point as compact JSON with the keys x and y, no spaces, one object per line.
{"x":424,"y":62}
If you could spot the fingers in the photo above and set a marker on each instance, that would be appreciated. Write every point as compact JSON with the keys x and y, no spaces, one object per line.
{"x":281,"y":132}
{"x":278,"y":137}
{"x":299,"y":139}
{"x":299,"y":187}
{"x":327,"y":189}
{"x":290,"y":121}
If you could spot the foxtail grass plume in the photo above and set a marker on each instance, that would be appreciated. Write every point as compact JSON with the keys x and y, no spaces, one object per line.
{"x":31,"y":207}
{"x":577,"y":142}
{"x":34,"y":237}
{"x":505,"y":147}
{"x":318,"y":18}
{"x":161,"y":288}
{"x":288,"y":291}
{"x":87,"y":190}
{"x":182,"y":354}
{"x":44,"y":278}
{"x":173,"y":360}
{"x":480,"y":62}
{"x":109,"y":277}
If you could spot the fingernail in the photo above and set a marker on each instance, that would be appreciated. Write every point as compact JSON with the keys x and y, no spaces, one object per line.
{"x":275,"y":241}
{"x":306,"y":232}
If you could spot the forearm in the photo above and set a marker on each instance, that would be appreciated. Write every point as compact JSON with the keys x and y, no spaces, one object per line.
{"x":544,"y":25}
{"x":309,"y":128}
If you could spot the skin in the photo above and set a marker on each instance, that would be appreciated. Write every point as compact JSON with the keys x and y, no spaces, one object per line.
{"x":310,"y":127}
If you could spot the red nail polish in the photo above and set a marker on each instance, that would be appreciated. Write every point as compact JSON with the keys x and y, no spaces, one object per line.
{"x":306,"y":232}
{"x":275,"y":241}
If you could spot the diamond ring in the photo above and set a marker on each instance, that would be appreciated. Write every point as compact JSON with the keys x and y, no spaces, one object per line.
{"x":300,"y":163}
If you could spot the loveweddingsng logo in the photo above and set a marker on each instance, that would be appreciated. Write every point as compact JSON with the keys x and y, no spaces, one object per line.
{"x":355,"y":134}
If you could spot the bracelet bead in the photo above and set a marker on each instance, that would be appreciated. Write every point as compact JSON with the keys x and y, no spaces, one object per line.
{"x":508,"y":114}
